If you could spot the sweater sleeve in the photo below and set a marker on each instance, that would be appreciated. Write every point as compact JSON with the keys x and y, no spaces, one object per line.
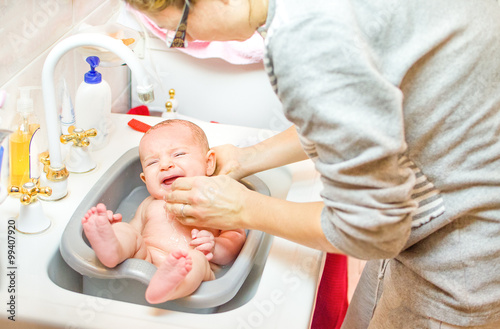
{"x":352,"y":117}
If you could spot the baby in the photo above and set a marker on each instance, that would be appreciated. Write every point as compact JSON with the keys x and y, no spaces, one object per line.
{"x":170,"y":149}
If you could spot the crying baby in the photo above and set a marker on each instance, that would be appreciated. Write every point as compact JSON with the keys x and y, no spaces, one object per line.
{"x":182,"y":254}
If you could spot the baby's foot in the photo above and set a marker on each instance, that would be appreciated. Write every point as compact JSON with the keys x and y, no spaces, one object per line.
{"x":102,"y":238}
{"x":168,"y":276}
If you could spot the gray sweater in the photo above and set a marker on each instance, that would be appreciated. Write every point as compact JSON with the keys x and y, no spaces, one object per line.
{"x":398,"y":104}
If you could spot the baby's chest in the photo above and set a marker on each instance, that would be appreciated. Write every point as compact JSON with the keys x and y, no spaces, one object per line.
{"x":163,"y":230}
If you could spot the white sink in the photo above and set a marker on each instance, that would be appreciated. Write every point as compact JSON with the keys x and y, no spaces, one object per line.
{"x":49,"y":292}
{"x":121,"y":189}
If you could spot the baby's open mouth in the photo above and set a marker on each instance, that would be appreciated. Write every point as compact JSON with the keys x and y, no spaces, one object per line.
{"x":169,"y":181}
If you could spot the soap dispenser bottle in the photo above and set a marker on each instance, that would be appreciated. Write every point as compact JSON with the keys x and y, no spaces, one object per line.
{"x":93,"y":104}
{"x":23,"y":147}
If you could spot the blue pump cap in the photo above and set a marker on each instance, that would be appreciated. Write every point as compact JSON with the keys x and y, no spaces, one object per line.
{"x":92,"y":76}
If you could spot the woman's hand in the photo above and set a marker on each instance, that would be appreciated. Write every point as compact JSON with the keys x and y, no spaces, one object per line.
{"x":279,"y":150}
{"x":229,"y":161}
{"x":203,"y":241}
{"x":216,"y":202}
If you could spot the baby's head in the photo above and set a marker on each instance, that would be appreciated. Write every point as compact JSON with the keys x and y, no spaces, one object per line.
{"x":154,"y":6}
{"x":173,"y":149}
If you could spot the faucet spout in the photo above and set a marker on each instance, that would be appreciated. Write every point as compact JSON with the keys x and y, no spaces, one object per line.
{"x":144,"y":87}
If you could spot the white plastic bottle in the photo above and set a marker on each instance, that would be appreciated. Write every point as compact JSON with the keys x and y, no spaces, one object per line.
{"x":93,"y":104}
{"x":67,"y":110}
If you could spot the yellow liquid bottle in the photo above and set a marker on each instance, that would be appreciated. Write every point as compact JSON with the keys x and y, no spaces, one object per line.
{"x":20,"y":155}
{"x":21,"y":145}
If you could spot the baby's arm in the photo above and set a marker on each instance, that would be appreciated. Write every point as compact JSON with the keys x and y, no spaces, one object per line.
{"x":222,"y":249}
{"x":139,"y":219}
{"x":203,"y":241}
{"x":228,"y":245}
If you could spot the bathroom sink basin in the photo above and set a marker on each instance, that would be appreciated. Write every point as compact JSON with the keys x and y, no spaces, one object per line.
{"x":76,"y":268}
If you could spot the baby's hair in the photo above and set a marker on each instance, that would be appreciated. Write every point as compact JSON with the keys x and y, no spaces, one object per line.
{"x":155,"y":6}
{"x":198,"y":133}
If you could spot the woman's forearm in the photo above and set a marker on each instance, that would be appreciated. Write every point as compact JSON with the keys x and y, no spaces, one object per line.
{"x":281,"y":149}
{"x":297,"y":222}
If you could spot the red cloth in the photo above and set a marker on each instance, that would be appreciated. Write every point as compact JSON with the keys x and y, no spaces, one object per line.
{"x":331,"y":300}
{"x":140,"y":110}
{"x":138,"y":125}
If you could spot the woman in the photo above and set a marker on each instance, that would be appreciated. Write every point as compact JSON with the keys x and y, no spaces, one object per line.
{"x":397,"y":102}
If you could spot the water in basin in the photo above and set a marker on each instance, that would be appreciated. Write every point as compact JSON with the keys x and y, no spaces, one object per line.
{"x":76,"y":268}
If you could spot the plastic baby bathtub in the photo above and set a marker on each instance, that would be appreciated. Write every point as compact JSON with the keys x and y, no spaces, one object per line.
{"x":122,"y":190}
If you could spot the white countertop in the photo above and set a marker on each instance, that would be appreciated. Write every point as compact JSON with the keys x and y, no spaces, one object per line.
{"x":284,"y":299}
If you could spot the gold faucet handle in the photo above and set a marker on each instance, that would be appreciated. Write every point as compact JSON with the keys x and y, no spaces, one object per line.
{"x":79,"y":137}
{"x":53,"y":174}
{"x":29,"y":191}
{"x":44,"y":158}
{"x":171,"y":92}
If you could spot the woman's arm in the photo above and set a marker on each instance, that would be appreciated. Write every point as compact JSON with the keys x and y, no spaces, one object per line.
{"x":279,"y":150}
{"x":297,"y":222}
{"x":221,"y":202}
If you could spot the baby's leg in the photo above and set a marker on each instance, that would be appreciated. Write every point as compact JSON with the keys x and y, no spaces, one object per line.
{"x":179,"y":275}
{"x":111,"y":243}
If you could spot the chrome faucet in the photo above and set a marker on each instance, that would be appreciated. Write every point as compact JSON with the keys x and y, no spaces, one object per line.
{"x":57,"y":174}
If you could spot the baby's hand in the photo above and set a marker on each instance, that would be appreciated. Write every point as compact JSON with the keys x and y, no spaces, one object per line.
{"x":114,"y":218}
{"x":203,"y":241}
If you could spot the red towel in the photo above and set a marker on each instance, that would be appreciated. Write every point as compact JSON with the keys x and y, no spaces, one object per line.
{"x":331,"y":300}
{"x":140,"y":110}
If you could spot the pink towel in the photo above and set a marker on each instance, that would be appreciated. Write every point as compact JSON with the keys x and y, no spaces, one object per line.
{"x":234,"y":52}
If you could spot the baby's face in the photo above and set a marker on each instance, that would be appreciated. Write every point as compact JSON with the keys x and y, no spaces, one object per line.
{"x":168,"y":153}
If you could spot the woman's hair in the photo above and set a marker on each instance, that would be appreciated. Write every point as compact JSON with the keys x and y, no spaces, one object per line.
{"x":155,"y":6}
{"x":198,"y":133}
